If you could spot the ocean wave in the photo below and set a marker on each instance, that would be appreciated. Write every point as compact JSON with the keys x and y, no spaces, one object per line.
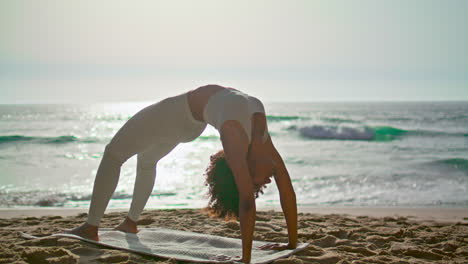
{"x":378,"y":133}
{"x":338,"y":120}
{"x":369,"y":133}
{"x":272,"y":118}
{"x":387,"y":133}
{"x":456,"y":163}
{"x":44,"y":140}
{"x":43,"y":198}
{"x":435,"y":133}
{"x":32,"y":198}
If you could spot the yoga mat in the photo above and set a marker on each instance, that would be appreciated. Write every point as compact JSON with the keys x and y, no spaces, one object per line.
{"x":183,"y":245}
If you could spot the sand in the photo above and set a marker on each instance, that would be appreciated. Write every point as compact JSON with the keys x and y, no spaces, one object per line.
{"x":335,"y":237}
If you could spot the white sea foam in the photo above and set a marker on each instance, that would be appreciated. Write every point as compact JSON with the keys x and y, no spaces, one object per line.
{"x":337,"y":132}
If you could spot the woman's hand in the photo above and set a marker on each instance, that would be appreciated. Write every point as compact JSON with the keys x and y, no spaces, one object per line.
{"x":276,"y":246}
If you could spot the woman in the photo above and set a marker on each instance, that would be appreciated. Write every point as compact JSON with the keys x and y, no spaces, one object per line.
{"x":249,"y":155}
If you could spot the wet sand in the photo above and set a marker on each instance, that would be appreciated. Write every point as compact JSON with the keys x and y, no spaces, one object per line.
{"x":336,"y":235}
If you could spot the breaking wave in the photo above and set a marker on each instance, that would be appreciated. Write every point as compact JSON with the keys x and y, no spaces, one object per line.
{"x":378,"y":133}
{"x":370,"y":133}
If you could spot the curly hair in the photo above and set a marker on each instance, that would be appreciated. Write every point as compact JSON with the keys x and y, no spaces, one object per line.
{"x":222,"y":189}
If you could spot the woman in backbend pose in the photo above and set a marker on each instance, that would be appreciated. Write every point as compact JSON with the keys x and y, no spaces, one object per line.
{"x":248,"y":159}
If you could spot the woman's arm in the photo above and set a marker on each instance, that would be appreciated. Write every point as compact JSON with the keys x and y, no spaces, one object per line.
{"x":287,"y":195}
{"x":235,"y":144}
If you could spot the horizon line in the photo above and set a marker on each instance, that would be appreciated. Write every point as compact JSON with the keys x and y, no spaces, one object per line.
{"x":265,"y":101}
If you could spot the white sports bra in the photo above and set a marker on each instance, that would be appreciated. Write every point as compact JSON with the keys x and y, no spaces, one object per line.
{"x":232,"y":104}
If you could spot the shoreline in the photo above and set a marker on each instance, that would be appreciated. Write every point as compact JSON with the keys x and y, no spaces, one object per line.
{"x":448,"y":215}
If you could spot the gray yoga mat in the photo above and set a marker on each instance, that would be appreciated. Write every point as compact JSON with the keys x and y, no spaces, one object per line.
{"x":183,"y":245}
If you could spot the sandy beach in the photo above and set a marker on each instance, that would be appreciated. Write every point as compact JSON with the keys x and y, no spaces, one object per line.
{"x":336,"y":235}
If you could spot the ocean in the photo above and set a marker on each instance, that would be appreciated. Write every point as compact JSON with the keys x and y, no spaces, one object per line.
{"x":371,"y":154}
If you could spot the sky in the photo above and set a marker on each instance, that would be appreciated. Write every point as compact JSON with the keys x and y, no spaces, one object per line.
{"x":324,"y":50}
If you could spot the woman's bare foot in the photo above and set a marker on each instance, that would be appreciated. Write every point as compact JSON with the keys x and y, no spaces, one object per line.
{"x":127,"y":226}
{"x":86,"y":231}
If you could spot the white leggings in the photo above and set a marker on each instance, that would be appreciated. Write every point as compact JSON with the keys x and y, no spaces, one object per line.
{"x":151,"y":134}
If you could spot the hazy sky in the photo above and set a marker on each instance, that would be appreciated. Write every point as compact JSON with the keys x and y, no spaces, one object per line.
{"x":96,"y":51}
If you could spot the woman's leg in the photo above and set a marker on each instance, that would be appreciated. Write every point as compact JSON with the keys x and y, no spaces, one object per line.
{"x":137,"y":134}
{"x":107,"y":178}
{"x":146,"y":174}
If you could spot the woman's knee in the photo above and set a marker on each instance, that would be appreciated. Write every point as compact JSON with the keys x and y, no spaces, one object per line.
{"x":111,"y":153}
{"x":146,"y":164}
